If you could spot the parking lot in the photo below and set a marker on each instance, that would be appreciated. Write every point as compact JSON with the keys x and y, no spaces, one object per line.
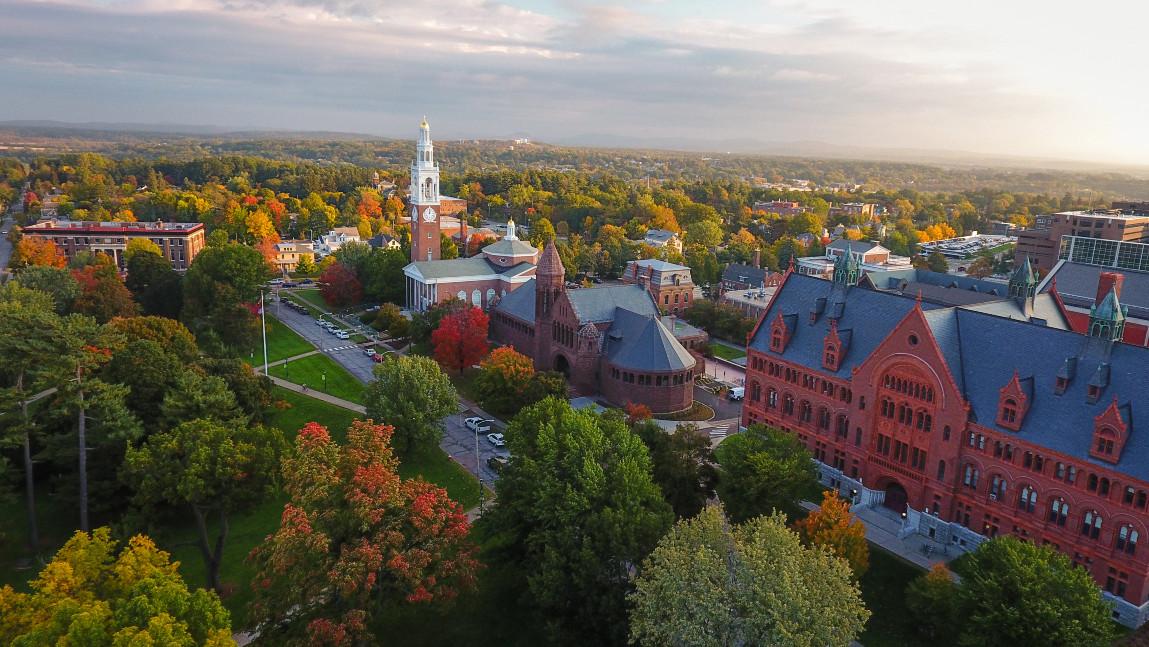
{"x":460,"y":444}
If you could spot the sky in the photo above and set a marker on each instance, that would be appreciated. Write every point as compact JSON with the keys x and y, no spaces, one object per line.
{"x":1015,"y":77}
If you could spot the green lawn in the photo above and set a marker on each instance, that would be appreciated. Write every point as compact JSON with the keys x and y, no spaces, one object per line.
{"x":312,"y":297}
{"x":884,"y":590}
{"x":310,"y":371}
{"x":726,"y":352}
{"x":282,"y":342}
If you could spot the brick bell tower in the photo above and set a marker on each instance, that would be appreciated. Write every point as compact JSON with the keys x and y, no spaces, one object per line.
{"x":424,"y":199}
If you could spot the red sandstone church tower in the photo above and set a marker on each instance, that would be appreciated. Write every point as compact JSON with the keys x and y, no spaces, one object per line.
{"x":424,"y":199}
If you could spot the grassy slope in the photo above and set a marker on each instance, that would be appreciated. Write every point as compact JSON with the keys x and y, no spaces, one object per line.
{"x":726,"y":352}
{"x":310,"y":371}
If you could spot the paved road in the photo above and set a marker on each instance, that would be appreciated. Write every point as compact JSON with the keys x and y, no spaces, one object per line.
{"x":458,"y":441}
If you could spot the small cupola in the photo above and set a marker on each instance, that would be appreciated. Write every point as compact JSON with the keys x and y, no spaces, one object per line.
{"x":1110,"y":430}
{"x":1107,"y":318}
{"x":1014,"y":400}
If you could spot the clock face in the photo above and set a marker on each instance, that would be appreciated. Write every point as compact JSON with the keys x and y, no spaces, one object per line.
{"x":428,"y":214}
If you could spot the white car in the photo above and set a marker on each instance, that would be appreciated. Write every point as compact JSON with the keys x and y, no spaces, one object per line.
{"x":496,"y":440}
{"x":478,"y":425}
{"x":342,"y":335}
{"x":370,"y":352}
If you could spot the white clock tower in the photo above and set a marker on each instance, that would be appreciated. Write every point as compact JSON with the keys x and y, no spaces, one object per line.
{"x":424,"y":199}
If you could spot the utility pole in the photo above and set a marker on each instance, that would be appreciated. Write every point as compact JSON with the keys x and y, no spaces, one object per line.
{"x":82,"y":432}
{"x":263,"y":320}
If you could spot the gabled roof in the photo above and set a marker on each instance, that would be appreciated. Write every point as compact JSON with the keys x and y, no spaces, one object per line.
{"x":660,"y":235}
{"x":856,"y":246}
{"x":476,"y":266}
{"x":661,"y":266}
{"x":519,"y":303}
{"x":869,"y":314}
{"x":595,"y":305}
{"x":754,"y":276}
{"x":510,"y":247}
{"x":642,"y":343}
{"x":1045,"y":311}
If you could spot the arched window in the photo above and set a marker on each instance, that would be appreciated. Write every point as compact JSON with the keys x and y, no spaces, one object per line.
{"x":997,"y":488}
{"x":805,"y":411}
{"x":490,"y":295}
{"x":788,"y":405}
{"x":1027,"y":500}
{"x":772,"y":398}
{"x":1009,"y":410}
{"x":823,"y":418}
{"x":755,"y":391}
{"x":831,"y":358}
{"x":969,"y":479}
{"x":1058,"y":511}
{"x":941,"y":470}
{"x":1103,"y":487}
{"x":1091,"y":524}
{"x":1092,"y":483}
{"x":477,"y":298}
{"x":776,"y":340}
{"x":462,"y":295}
{"x":1127,"y":539}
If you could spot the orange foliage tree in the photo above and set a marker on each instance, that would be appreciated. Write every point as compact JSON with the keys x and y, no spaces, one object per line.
{"x":833,"y":527}
{"x":354,"y":539}
{"x":461,"y":339}
{"x":32,"y":250}
{"x":506,"y":374}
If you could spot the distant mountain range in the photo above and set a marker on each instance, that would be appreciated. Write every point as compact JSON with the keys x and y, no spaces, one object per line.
{"x":808,"y":149}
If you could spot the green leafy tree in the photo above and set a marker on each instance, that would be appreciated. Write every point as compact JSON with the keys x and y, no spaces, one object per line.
{"x":154,"y":284}
{"x":706,"y":233}
{"x":542,"y":232}
{"x":253,"y":392}
{"x":171,"y":335}
{"x":90,"y":595}
{"x":306,"y":265}
{"x":447,"y":248}
{"x":1014,"y":593}
{"x":149,"y":371}
{"x":762,"y":470}
{"x":937,"y":262}
{"x":412,"y":394}
{"x":354,"y":540}
{"x":56,"y":281}
{"x":195,"y":395}
{"x":932,"y":601}
{"x":710,"y":584}
{"x":218,"y":288}
{"x":215,"y":469}
{"x":577,"y":511}
{"x":683,"y":465}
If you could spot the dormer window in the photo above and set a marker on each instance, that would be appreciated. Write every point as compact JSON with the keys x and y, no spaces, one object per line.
{"x":780,"y":332}
{"x":1109,"y":432}
{"x":830,"y":357}
{"x":1062,"y":384}
{"x":777,"y":337}
{"x":1014,"y":399}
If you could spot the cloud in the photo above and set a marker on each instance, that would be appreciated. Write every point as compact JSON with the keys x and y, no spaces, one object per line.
{"x":480,"y":68}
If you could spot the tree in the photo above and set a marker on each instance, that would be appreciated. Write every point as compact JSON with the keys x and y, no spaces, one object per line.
{"x":154,"y":284}
{"x":33,"y":250}
{"x":103,"y":295}
{"x":542,"y":232}
{"x":981,"y":267}
{"x":504,"y":378}
{"x":339,"y":286}
{"x":832,"y":527}
{"x":306,"y":264}
{"x":683,"y":465}
{"x":461,"y":339}
{"x":932,"y":601}
{"x":213,"y":468}
{"x":90,"y":595}
{"x":937,"y":262}
{"x":762,"y":470}
{"x":354,"y":538}
{"x":218,"y":286}
{"x":706,"y":233}
{"x":141,"y":246}
{"x":447,"y":248}
{"x":412,"y":393}
{"x":709,"y":584}
{"x":577,"y":510}
{"x":55,"y":281}
{"x":171,"y":335}
{"x":1016,"y":593}
{"x":149,"y":371}
{"x":425,"y":323}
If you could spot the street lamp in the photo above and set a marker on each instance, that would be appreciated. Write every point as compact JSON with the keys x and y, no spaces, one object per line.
{"x":325,"y":381}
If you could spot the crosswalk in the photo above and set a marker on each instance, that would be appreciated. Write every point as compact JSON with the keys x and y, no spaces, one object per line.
{"x":720,"y":432}
{"x":349,"y":347}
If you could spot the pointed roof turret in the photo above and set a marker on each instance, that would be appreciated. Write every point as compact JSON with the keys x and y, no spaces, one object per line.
{"x":1107,"y":319}
{"x":549,"y":263}
{"x":1023,"y":281}
{"x":510,"y":230}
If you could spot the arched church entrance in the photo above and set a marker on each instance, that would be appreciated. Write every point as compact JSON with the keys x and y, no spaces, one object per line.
{"x":896,"y":497}
{"x":562,"y":365}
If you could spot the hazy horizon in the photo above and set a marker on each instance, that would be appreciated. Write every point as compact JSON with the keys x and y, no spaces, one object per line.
{"x":1020,"y":79}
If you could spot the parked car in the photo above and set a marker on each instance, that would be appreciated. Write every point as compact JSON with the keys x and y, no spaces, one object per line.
{"x":321,"y":322}
{"x":342,"y":334}
{"x":497,"y":440}
{"x":377,"y":357}
{"x":736,"y":393}
{"x":478,"y":425}
{"x":306,"y":282}
{"x":290,"y":284}
{"x":497,"y":463}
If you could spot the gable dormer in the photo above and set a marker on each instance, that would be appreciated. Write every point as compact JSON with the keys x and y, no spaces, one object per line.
{"x":1065,"y":375}
{"x":1097,"y":383}
{"x":1013,"y":402}
{"x":781,"y":330}
{"x":834,"y":347}
{"x":1110,"y":430}
{"x":817,"y":309}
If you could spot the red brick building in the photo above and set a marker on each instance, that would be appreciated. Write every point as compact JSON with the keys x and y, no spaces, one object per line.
{"x":970,"y":422}
{"x":669,"y":283}
{"x":179,"y":241}
{"x":609,"y":340}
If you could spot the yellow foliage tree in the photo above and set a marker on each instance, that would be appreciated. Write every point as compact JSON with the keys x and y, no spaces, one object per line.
{"x":832,"y":527}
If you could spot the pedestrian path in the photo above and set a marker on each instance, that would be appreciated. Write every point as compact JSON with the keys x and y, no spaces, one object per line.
{"x":318,"y":395}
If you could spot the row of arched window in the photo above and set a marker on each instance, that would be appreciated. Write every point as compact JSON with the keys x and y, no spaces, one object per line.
{"x":909,"y":387}
{"x":806,"y":380}
{"x":906,"y":416}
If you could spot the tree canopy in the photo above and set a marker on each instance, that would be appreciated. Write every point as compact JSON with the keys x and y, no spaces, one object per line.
{"x":412,"y":394}
{"x":762,"y":470}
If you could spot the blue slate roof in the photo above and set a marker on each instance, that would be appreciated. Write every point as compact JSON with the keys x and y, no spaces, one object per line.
{"x":982,"y":351}
{"x":642,"y":343}
{"x":519,"y":303}
{"x":992,"y":348}
{"x":596,"y":305}
{"x":868,"y":314}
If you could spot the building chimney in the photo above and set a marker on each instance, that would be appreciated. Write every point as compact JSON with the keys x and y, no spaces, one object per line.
{"x":1108,"y":281}
{"x":757,"y":258}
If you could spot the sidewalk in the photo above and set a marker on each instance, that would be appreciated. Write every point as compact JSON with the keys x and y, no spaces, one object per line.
{"x":882,"y":527}
{"x":319,"y":395}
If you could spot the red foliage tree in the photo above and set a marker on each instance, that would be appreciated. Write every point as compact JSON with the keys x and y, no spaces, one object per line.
{"x":461,"y":339}
{"x":103,"y":294}
{"x":636,"y":412}
{"x":355,"y":538}
{"x":339,"y":286}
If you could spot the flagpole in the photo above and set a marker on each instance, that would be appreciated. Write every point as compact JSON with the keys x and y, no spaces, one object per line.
{"x":263,"y":320}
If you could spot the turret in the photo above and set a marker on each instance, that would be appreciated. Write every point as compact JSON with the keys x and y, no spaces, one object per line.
{"x":1107,"y":319}
{"x":549,"y":277}
{"x":846,"y":269}
{"x":1023,"y":286}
